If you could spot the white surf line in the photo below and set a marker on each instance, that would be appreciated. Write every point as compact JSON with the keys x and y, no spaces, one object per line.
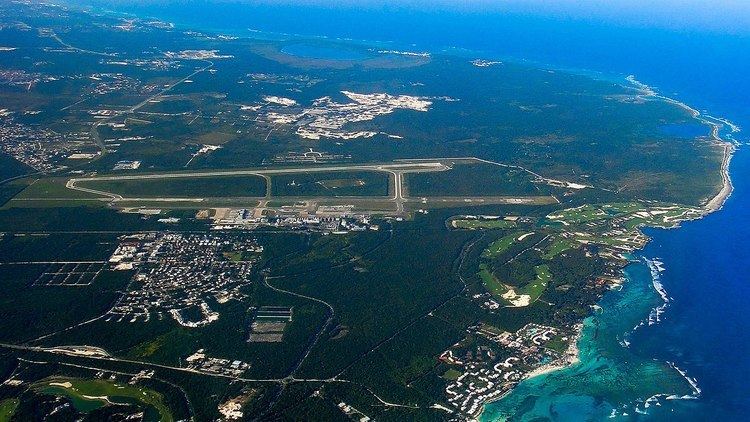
{"x":716,"y":202}
{"x":692,"y":381}
{"x":655,"y":267}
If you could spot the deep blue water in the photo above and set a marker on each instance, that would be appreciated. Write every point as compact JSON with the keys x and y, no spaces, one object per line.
{"x":706,"y":329}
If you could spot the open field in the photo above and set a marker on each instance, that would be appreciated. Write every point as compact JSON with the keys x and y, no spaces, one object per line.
{"x":221,"y":186}
{"x":52,"y":188}
{"x":355,"y":183}
{"x":472,"y":178}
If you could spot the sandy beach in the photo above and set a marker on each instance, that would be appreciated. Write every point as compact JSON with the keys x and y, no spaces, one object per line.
{"x":571,"y":355}
{"x":569,"y":358}
{"x":715,"y":203}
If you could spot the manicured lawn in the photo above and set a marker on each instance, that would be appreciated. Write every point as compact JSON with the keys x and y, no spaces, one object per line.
{"x":90,"y":394}
{"x":483,"y":224}
{"x":499,"y":246}
{"x":7,"y":409}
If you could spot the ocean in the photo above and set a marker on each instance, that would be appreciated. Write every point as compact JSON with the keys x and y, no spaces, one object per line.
{"x":703,"y":333}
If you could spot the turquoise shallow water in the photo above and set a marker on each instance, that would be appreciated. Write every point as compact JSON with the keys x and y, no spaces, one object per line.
{"x":706,"y":328}
{"x":702,"y":330}
{"x":609,"y":375}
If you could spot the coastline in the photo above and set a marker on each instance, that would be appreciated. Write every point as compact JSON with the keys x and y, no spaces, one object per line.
{"x":717,"y":201}
{"x":712,"y":204}
{"x":569,"y":358}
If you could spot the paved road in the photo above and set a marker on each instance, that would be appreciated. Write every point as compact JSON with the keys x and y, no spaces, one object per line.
{"x":99,"y":358}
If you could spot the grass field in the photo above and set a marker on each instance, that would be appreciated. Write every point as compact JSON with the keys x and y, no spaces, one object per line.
{"x":188,"y":187}
{"x":558,"y":246}
{"x":491,"y":283}
{"x":500,"y":291}
{"x":354,"y":183}
{"x":472,"y":179}
{"x":482,"y":224}
{"x":53,"y":187}
{"x":91,"y":394}
{"x":7,"y":409}
{"x":451,"y":374}
{"x":499,"y":246}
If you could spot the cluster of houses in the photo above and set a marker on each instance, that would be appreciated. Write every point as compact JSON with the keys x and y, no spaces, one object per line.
{"x":177,"y":273}
{"x":488,"y":369}
{"x":40,"y":148}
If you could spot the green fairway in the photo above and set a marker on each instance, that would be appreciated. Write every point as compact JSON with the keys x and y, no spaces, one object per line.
{"x":587,"y":213}
{"x":491,"y":283}
{"x":482,"y":224}
{"x":91,"y":394}
{"x":539,"y":285}
{"x":7,"y":409}
{"x":558,"y":246}
{"x":533,"y":290}
{"x":499,"y":246}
